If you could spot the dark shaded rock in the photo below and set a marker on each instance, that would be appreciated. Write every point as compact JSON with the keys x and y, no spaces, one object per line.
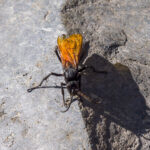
{"x":117,"y":36}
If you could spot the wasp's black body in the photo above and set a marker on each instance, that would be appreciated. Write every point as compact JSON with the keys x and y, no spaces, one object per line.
{"x":72,"y":78}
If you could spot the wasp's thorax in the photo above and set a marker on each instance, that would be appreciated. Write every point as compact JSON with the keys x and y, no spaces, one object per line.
{"x":72,"y":79}
{"x":70,"y":74}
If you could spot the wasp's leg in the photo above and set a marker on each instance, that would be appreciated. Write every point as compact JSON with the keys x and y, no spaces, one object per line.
{"x":68,"y":104}
{"x":62,"y":92}
{"x":81,"y":94}
{"x":45,"y":78}
{"x":89,"y":99}
{"x":57,"y":53}
{"x":44,"y":87}
{"x":93,"y":69}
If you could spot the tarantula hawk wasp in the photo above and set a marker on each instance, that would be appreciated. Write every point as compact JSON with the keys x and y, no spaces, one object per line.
{"x":68,"y":52}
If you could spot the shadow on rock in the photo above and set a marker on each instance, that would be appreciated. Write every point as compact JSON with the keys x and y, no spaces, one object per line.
{"x":121,"y":105}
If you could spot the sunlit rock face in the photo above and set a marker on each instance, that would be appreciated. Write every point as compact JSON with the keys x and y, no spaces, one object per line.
{"x":33,"y":121}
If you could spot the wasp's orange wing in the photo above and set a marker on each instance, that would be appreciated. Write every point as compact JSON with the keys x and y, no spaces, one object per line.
{"x":70,"y":49}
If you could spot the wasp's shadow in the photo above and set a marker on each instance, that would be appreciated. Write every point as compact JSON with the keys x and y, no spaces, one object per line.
{"x":122,"y":102}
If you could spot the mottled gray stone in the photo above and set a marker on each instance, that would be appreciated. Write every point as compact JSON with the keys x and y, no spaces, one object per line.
{"x":33,"y":121}
{"x":117,"y":38}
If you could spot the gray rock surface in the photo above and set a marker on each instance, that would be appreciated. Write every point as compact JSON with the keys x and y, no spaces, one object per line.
{"x":33,"y":121}
{"x":117,"y":39}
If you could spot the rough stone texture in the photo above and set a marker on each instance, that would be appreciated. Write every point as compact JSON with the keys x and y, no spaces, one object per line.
{"x":117,"y":39}
{"x":33,"y":121}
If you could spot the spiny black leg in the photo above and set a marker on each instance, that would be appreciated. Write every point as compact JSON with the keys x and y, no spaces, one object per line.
{"x":68,"y":104}
{"x":57,"y":54}
{"x":81,"y":94}
{"x":53,"y":74}
{"x":44,"y":87}
{"x":93,"y":69}
{"x":45,"y":78}
{"x":62,"y":92}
